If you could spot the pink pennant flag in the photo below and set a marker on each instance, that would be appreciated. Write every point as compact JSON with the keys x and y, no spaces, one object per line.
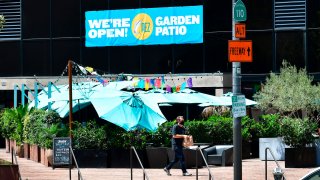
{"x":158,"y":83}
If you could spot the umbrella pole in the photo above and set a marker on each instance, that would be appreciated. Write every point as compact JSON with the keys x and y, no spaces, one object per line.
{"x":70,"y":96}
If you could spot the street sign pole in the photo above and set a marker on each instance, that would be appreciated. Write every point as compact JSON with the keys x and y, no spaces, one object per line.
{"x":236,"y":89}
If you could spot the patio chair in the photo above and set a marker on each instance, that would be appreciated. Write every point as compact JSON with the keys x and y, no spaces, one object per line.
{"x":219,"y":155}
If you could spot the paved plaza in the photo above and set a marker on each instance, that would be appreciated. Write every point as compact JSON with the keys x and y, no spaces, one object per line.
{"x":253,"y":169}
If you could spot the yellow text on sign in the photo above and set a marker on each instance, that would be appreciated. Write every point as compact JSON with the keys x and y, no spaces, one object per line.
{"x":240,"y":51}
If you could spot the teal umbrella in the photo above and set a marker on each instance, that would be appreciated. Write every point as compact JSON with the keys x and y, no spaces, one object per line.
{"x":129,"y":112}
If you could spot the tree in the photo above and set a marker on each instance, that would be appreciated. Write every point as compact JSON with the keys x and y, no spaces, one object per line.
{"x":290,"y":92}
{"x":2,"y":21}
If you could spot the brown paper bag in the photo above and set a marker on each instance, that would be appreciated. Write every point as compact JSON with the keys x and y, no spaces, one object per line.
{"x":187,"y":141}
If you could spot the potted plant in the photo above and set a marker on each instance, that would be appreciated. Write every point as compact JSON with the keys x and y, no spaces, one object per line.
{"x":89,"y":143}
{"x":268,"y":130}
{"x":298,"y":135}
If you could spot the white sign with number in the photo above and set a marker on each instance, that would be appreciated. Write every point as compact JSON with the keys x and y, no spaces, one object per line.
{"x":239,"y":106}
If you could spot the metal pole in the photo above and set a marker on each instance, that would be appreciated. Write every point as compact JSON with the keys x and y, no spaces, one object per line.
{"x":131,"y":163}
{"x":197,"y":161}
{"x":236,"y":89}
{"x":70,"y":96}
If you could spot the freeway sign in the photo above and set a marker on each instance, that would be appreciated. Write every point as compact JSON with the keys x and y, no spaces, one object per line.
{"x":240,"y":50}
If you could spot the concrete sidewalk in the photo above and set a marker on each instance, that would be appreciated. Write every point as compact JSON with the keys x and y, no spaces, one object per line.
{"x":252,"y":169}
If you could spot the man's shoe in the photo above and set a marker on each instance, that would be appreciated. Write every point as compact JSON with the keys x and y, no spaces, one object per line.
{"x":186,"y":174}
{"x":167,"y":171}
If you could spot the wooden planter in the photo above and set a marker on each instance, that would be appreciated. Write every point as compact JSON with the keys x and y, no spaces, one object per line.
{"x":8,"y":171}
{"x":120,"y":158}
{"x":300,"y":157}
{"x":157,"y":157}
{"x":12,"y":145}
{"x":35,"y":153}
{"x":7,"y":145}
{"x":91,"y":158}
{"x":26,"y":148}
{"x":49,"y":155}
{"x":42,"y":155}
{"x":20,"y":151}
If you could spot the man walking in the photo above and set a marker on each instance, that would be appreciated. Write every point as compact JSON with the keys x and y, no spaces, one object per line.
{"x":178,"y":134}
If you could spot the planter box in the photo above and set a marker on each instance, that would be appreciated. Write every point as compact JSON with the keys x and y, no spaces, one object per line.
{"x":7,"y":145}
{"x":246,"y":150}
{"x":12,"y":145}
{"x":26,"y":148}
{"x":8,"y":171}
{"x":300,"y":157}
{"x":276,"y":145}
{"x":157,"y":157}
{"x":35,"y":153}
{"x":49,"y":157}
{"x":189,"y":156}
{"x":20,"y":151}
{"x":120,"y":158}
{"x":42,"y":155}
{"x":90,"y":158}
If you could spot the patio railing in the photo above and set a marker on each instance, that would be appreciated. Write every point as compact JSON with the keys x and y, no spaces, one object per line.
{"x":131,"y":161}
{"x":274,"y":159}
{"x":75,"y":161}
{"x":205,"y":161}
{"x":14,"y":157}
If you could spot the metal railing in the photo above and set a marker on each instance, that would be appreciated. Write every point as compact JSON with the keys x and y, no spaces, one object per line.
{"x":274,"y":159}
{"x":205,"y":161}
{"x":14,"y":157}
{"x":131,"y":161}
{"x":75,"y":161}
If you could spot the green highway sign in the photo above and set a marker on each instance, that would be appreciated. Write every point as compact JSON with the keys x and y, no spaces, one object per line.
{"x":239,"y":11}
{"x":239,"y":106}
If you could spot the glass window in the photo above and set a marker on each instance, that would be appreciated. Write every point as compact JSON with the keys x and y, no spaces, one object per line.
{"x":36,"y":19}
{"x":290,"y":48}
{"x":10,"y":59}
{"x":96,"y":57}
{"x":36,"y":58}
{"x":188,"y":58}
{"x":125,"y":59}
{"x":156,"y":59}
{"x":65,"y":18}
{"x":62,"y":52}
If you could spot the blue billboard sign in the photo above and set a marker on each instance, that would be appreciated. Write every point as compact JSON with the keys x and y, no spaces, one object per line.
{"x":170,"y":25}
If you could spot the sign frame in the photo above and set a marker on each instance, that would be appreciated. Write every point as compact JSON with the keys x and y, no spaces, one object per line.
{"x":239,"y":11}
{"x":239,"y":106}
{"x":63,"y":151}
{"x":240,"y":30}
{"x":237,"y":50}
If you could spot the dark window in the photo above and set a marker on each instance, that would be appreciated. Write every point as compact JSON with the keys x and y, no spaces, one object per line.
{"x":188,"y":58}
{"x":156,"y":59}
{"x":36,"y":19}
{"x":10,"y":59}
{"x":62,"y":52}
{"x":65,"y":18}
{"x":290,"y":48}
{"x":216,"y":52}
{"x":36,"y":58}
{"x":125,"y":59}
{"x":96,"y":57}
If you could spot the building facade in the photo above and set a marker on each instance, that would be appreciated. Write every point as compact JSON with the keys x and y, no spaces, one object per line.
{"x":40,"y":36}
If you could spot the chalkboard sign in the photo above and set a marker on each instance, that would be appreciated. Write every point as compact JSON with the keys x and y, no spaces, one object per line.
{"x":61,"y":151}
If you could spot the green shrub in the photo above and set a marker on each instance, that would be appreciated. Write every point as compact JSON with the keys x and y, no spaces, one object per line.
{"x":298,"y":132}
{"x":268,"y":126}
{"x":88,"y":135}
